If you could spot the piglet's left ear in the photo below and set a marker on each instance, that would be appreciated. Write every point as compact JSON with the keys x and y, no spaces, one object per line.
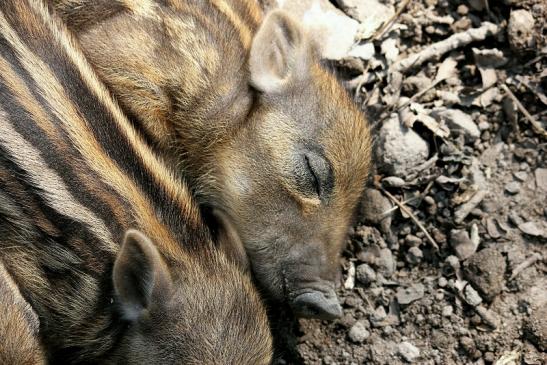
{"x":141,"y":278}
{"x":281,"y":53}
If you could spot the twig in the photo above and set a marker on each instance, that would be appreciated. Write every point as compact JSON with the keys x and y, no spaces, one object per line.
{"x":404,"y":208}
{"x":523,"y":265}
{"x":379,"y":34}
{"x":410,"y":200}
{"x":446,"y":45}
{"x":535,"y":124}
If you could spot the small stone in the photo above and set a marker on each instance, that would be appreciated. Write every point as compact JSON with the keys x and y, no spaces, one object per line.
{"x":410,"y":294}
{"x":521,"y":176}
{"x":541,"y":179}
{"x":471,"y":296}
{"x":412,"y":240}
{"x":462,"y":244}
{"x":447,"y":311}
{"x":467,"y":344}
{"x":451,"y":265}
{"x":365,"y":274}
{"x":530,"y":228}
{"x":393,"y":182}
{"x":512,"y":188}
{"x":414,"y":255}
{"x":492,"y":228}
{"x":458,"y":122}
{"x":462,"y":9}
{"x":484,"y":125}
{"x":400,"y":148}
{"x":442,"y":282}
{"x":515,"y":219}
{"x":520,"y":30}
{"x":358,"y":332}
{"x":374,"y":205}
{"x":385,"y":263}
{"x":485,"y":270}
{"x":378,"y":315}
{"x":408,"y":351}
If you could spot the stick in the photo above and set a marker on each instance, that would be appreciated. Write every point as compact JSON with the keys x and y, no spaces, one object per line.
{"x":446,"y":45}
{"x":535,"y":124}
{"x":413,"y":217}
{"x":523,"y":265}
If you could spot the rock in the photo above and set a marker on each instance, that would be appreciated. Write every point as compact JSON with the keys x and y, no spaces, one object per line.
{"x":350,"y":281}
{"x":512,"y":188}
{"x":520,"y":30}
{"x":485,"y":271}
{"x":393,"y":182}
{"x":365,"y":274}
{"x":412,"y":240}
{"x":358,"y":332}
{"x":530,"y":228}
{"x":458,"y":122}
{"x":378,"y":315}
{"x":400,"y":148}
{"x":471,"y":296}
{"x":414,"y":255}
{"x":463,"y":246}
{"x":442,"y":282}
{"x":332,"y":30}
{"x":374,"y":205}
{"x":541,"y":179}
{"x":492,"y":228}
{"x":408,"y":351}
{"x":521,"y":176}
{"x":447,"y":311}
{"x":385,"y":263}
{"x":410,"y":294}
{"x":536,"y":328}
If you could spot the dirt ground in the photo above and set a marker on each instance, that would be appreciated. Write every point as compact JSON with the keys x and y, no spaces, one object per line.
{"x":472,"y":175}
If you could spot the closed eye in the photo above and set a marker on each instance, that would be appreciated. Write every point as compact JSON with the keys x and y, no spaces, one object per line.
{"x":315,"y":179}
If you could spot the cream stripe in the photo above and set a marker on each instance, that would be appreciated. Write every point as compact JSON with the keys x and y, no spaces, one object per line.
{"x":54,"y":190}
{"x":244,"y":31}
{"x":162,"y":175}
{"x":87,"y":145}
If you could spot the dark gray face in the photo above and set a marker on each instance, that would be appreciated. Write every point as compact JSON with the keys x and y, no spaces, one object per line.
{"x":196,"y":314}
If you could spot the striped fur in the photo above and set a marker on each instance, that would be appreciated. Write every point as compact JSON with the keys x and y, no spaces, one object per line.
{"x":75,"y":175}
{"x":19,"y":326}
{"x":241,"y":103}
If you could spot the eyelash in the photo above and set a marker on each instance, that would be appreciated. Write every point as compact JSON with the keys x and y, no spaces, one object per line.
{"x":316,"y":182}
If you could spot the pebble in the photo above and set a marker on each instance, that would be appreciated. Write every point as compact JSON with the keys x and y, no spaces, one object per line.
{"x":471,"y":296}
{"x":414,"y":255}
{"x":400,"y":148}
{"x":447,"y":311}
{"x":413,"y":240}
{"x":521,"y":176}
{"x":374,"y":205}
{"x":530,"y":228}
{"x":458,"y":121}
{"x":378,"y":315}
{"x":512,"y":188}
{"x":442,"y":282}
{"x":385,"y":263}
{"x":365,"y":274}
{"x":462,"y":244}
{"x":452,"y":265}
{"x":358,"y":332}
{"x":541,"y":179}
{"x":462,"y":9}
{"x":520,"y":29}
{"x":485,"y":270}
{"x":492,"y":228}
{"x":410,"y":294}
{"x":408,"y":351}
{"x":393,"y":182}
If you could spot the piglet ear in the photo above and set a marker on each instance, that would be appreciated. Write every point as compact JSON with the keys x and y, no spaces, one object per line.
{"x":281,"y":53}
{"x":141,"y":278}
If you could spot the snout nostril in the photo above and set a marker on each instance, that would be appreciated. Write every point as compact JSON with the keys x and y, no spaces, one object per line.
{"x":317,"y":305}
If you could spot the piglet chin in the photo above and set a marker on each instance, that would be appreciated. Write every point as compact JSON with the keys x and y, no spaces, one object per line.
{"x":318,"y":305}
